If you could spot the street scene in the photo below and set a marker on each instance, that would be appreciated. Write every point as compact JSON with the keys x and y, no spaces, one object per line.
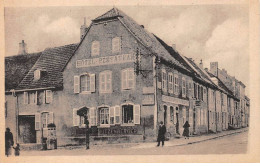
{"x":127,"y":80}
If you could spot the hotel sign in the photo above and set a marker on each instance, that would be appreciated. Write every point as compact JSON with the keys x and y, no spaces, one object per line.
{"x":118,"y":130}
{"x":107,"y":60}
{"x":175,"y":100}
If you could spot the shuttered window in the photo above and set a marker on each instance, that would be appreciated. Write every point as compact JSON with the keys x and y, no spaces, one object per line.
{"x":25,"y":97}
{"x":37,"y":121}
{"x":105,"y":82}
{"x":170,"y":82}
{"x":48,"y":96}
{"x":137,"y":114}
{"x":76,"y":118}
{"x":95,"y":48}
{"x":85,"y":83}
{"x":128,"y":78}
{"x":117,"y":115}
{"x":116,"y":45}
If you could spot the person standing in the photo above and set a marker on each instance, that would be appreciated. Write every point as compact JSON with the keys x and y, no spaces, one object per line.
{"x":9,"y":142}
{"x":186,"y":131}
{"x":161,"y":134}
{"x":87,"y":132}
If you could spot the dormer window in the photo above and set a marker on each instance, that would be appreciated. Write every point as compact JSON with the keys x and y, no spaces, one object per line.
{"x":37,"y":74}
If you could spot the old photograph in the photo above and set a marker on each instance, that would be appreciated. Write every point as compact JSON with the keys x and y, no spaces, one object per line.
{"x":126,"y":80}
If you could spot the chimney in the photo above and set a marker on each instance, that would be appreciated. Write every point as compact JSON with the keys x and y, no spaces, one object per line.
{"x":83,"y":29}
{"x":214,"y":68}
{"x":22,"y":48}
{"x":201,"y":64}
{"x":174,"y":46}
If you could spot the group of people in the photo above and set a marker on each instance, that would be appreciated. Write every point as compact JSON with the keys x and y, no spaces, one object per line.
{"x":162,"y":131}
{"x":9,"y":144}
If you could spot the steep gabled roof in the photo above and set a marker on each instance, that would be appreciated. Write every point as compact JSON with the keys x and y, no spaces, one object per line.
{"x":143,"y":36}
{"x":51,"y":62}
{"x":16,"y":67}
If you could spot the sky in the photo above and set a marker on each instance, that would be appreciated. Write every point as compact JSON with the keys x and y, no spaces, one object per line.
{"x":208,"y":32}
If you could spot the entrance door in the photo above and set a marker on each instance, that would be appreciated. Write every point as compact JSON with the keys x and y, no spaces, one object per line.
{"x":194,"y":121}
{"x":177,"y":123}
{"x":27,"y":133}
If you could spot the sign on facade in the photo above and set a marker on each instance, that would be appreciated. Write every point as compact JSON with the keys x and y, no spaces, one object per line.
{"x":107,"y":60}
{"x":174,"y":100}
{"x":148,"y":99}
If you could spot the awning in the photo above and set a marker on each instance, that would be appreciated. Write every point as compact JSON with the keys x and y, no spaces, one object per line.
{"x":82,"y":111}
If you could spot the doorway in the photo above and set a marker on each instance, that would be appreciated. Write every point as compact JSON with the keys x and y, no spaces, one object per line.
{"x":165,"y":115}
{"x":26,"y":129}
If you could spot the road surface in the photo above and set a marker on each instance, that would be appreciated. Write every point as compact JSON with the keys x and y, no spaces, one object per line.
{"x":231,"y":144}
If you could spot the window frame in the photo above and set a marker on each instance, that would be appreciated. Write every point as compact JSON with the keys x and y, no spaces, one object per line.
{"x":99,"y":116}
{"x":170,"y":82}
{"x":122,"y":113}
{"x":92,"y":83}
{"x":114,"y":40}
{"x":106,"y":81}
{"x":176,"y":84}
{"x":127,"y":71}
{"x":95,"y":48}
{"x":184,"y":93}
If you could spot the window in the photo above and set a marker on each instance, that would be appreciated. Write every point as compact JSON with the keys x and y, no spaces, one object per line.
{"x":195,"y":90}
{"x":25,"y":97}
{"x":164,"y":80}
{"x":46,"y":118}
{"x":176,"y":84}
{"x":105,"y":82}
{"x":37,"y":74}
{"x":128,"y":114}
{"x":116,"y":45}
{"x":190,"y":94}
{"x":170,"y":82}
{"x":84,"y":83}
{"x":95,"y":48}
{"x":128,"y":79}
{"x":183,"y":87}
{"x":48,"y":96}
{"x":104,"y":115}
{"x":32,"y":98}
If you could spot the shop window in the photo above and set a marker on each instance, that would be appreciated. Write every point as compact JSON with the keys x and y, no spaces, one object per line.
{"x":85,"y":83}
{"x":104,"y":115}
{"x":48,"y":96}
{"x":128,"y":79}
{"x":105,"y":82}
{"x":183,"y":87}
{"x":176,"y":84}
{"x":116,"y":45}
{"x":95,"y":48}
{"x":170,"y":82}
{"x":164,"y":80}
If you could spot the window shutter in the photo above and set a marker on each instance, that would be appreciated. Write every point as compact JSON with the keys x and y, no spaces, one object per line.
{"x":44,"y":96}
{"x":97,"y":117}
{"x":117,"y":115}
{"x":92,"y":116}
{"x":48,"y":96}
{"x":51,"y":117}
{"x":25,"y":97}
{"x":76,"y":118}
{"x":36,"y":97}
{"x":92,"y":82}
{"x":112,"y":115}
{"x":37,"y":121}
{"x":137,"y":114}
{"x":76,"y":84}
{"x":124,"y":79}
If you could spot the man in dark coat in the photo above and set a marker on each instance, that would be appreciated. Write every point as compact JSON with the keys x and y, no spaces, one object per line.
{"x":161,"y":133}
{"x":9,"y":142}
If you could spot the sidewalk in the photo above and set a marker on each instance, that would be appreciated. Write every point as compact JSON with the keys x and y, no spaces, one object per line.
{"x":196,"y":139}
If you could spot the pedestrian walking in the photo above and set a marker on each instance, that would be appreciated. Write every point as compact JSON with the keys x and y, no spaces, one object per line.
{"x":17,"y":150}
{"x":186,"y":132}
{"x":161,"y":134}
{"x":9,"y":142}
{"x":87,"y":133}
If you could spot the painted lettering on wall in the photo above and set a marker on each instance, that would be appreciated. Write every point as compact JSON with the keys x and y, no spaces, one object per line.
{"x":117,"y":130}
{"x":107,"y":60}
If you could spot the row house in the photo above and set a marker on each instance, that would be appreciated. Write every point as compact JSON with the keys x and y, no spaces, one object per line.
{"x":124,"y":79}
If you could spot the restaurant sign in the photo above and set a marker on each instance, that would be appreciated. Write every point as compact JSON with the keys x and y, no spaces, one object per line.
{"x":118,"y":130}
{"x":107,"y":60}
